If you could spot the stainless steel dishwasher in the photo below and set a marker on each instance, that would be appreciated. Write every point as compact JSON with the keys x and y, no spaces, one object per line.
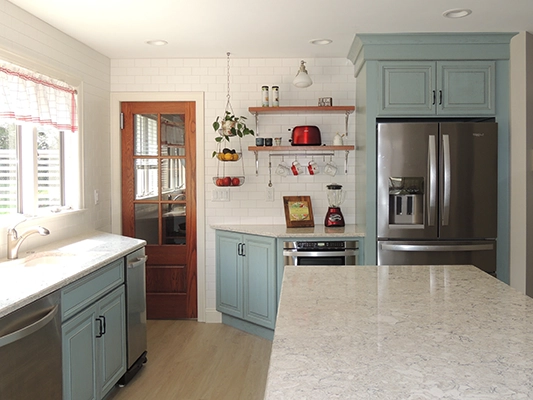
{"x":30,"y":350}
{"x":135,"y":314}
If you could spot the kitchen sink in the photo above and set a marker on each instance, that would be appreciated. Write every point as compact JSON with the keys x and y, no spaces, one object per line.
{"x":48,"y":258}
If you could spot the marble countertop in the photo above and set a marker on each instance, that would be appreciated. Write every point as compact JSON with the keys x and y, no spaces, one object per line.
{"x":27,"y":279}
{"x":402,"y":332}
{"x":281,"y":231}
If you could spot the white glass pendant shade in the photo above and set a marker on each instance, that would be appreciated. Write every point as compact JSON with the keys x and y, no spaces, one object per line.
{"x":302,"y":79}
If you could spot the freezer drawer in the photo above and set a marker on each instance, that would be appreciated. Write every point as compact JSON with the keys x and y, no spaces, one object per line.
{"x":481,"y":253}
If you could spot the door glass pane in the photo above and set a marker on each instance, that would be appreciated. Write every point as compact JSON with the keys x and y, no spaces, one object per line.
{"x":174,"y":224}
{"x":145,"y":134}
{"x":172,"y":135}
{"x":146,"y":179}
{"x":172,"y":177}
{"x":147,"y":222}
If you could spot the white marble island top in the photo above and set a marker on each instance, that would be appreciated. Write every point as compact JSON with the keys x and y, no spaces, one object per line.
{"x":402,"y":332}
{"x":27,"y":279}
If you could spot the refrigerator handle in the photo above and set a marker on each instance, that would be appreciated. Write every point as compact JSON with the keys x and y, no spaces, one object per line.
{"x":436,"y":247}
{"x":447,"y":180}
{"x":432,"y":176}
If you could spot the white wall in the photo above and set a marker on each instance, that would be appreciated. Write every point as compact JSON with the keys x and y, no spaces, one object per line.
{"x":521,"y":112}
{"x":332,"y":78}
{"x":30,"y":42}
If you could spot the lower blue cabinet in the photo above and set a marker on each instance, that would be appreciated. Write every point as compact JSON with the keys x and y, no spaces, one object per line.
{"x":246,"y":277}
{"x":94,"y":339}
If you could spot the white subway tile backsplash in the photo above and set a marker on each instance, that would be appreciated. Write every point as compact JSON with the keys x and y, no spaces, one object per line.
{"x":143,"y":62}
{"x":248,"y":205}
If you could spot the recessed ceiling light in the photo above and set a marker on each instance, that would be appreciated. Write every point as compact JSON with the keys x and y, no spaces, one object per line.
{"x":320,"y":42}
{"x":157,"y":42}
{"x":457,"y":13}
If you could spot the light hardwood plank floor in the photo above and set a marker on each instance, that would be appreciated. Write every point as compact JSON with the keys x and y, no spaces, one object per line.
{"x":189,"y":360}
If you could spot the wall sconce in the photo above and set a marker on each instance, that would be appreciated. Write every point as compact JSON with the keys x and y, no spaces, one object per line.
{"x":302,"y":79}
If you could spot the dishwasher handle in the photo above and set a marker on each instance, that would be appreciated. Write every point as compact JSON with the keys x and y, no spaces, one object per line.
{"x":138,"y":262}
{"x":28,"y":330}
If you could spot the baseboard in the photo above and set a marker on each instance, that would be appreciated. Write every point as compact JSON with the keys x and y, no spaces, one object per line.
{"x":248,"y":327}
{"x":212,"y":316}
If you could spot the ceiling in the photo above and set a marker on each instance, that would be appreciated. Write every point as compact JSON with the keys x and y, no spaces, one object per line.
{"x":263,"y":29}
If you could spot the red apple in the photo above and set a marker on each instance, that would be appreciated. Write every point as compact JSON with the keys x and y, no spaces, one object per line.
{"x":227,"y":181}
{"x":220,"y":182}
{"x":235,"y":181}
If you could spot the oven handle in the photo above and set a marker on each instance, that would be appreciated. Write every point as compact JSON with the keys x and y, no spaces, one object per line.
{"x":296,"y":253}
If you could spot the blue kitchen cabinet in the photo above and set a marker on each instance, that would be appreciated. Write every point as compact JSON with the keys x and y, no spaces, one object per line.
{"x":229,"y":274}
{"x":446,"y":88}
{"x":94,"y":333}
{"x":246,"y":281}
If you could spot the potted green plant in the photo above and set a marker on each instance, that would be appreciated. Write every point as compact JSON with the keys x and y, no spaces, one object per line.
{"x":230,"y":125}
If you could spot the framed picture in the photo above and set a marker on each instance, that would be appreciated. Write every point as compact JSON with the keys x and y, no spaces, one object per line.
{"x":298,"y":211}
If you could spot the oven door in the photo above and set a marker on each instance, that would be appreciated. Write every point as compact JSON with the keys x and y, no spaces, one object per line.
{"x":327,"y":257}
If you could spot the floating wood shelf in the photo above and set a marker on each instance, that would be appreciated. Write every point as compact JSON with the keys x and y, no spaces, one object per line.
{"x":302,"y":109}
{"x":300,"y":148}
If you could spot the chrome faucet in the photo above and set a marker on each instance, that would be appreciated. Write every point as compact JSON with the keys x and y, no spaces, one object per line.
{"x":14,"y":240}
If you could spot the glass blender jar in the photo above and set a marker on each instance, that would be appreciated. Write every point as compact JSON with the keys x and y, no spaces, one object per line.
{"x":335,"y":196}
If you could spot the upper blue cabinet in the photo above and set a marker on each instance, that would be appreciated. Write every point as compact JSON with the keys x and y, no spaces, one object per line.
{"x":431,"y":88}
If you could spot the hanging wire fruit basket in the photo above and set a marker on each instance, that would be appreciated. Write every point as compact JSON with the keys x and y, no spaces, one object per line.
{"x":229,"y":126}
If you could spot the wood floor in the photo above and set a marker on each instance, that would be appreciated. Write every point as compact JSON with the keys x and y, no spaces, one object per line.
{"x":188,"y":360}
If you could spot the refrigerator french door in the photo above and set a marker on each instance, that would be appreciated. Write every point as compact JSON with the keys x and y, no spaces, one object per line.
{"x":437,"y":193}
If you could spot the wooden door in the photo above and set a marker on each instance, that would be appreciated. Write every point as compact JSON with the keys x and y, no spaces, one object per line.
{"x":159,"y":201}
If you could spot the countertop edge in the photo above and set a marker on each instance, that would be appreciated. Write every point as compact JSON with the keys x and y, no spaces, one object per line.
{"x":281,"y":231}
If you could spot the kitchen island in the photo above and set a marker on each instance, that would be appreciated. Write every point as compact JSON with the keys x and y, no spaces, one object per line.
{"x":402,"y":332}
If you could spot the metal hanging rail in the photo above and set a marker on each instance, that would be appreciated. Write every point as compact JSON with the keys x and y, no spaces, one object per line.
{"x":304,"y":154}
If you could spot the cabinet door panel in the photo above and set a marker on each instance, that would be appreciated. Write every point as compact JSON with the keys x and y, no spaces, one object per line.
{"x":467,"y":87}
{"x":229,"y":274}
{"x":260,"y":283}
{"x":407,"y":88}
{"x":112,"y":347}
{"x":79,"y":364}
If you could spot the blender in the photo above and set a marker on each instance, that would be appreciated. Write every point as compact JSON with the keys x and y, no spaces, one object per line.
{"x":335,"y":198}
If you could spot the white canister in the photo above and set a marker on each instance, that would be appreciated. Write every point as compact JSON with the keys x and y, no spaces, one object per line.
{"x":265,"y":99}
{"x":275,"y":96}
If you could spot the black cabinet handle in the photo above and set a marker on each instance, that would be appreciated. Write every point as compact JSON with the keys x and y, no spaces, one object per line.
{"x":434,"y":97}
{"x":440,"y":97}
{"x":103,"y":324}
{"x":243,"y":250}
{"x":101,"y":327}
{"x":100,"y":330}
{"x":240,"y":249}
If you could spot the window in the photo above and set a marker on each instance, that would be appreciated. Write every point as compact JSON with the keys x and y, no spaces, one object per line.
{"x":31,"y":168}
{"x":39,"y":143}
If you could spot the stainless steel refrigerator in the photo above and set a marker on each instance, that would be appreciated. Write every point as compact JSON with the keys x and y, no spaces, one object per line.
{"x":437,"y":193}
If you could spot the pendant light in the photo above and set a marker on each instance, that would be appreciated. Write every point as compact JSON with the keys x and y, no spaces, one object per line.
{"x":302,"y":79}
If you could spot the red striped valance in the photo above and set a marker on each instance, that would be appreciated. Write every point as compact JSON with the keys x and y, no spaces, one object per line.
{"x":28,"y":96}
